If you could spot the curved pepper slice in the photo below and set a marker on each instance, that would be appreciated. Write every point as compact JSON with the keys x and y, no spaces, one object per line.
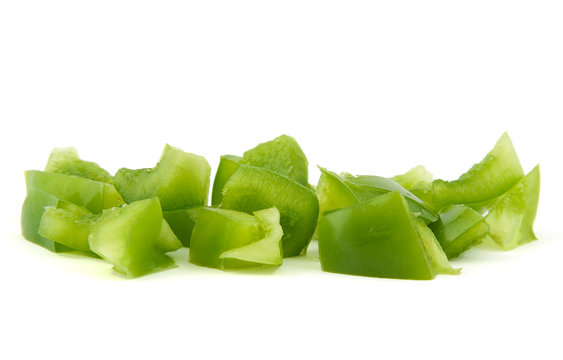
{"x":282,"y":155}
{"x":494,"y":175}
{"x":227,"y":167}
{"x":459,"y":228}
{"x":251,"y":188}
{"x":127,"y":237}
{"x":511,"y":216}
{"x":377,"y":238}
{"x":67,"y":161}
{"x":226,"y":239}
{"x":179,"y":180}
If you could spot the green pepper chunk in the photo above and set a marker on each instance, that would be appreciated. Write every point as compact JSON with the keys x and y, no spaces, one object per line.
{"x":250,"y":189}
{"x":226,"y":239}
{"x":54,"y":189}
{"x":227,"y":167}
{"x":333,"y":192}
{"x":494,"y":175}
{"x":32,"y":211}
{"x":70,"y":228}
{"x":439,"y":259}
{"x":338,"y":191}
{"x":282,"y":155}
{"x":417,"y":178}
{"x":93,"y":195}
{"x":128,"y":237}
{"x":377,"y":238}
{"x":66,"y":161}
{"x":180,"y":180}
{"x":511,"y":216}
{"x":459,"y":228}
{"x":182,"y":222}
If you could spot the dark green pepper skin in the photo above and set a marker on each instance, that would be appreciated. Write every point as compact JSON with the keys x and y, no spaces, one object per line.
{"x":374,"y":238}
{"x":182,"y":222}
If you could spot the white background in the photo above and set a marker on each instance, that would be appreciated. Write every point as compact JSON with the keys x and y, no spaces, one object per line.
{"x":372,"y":87}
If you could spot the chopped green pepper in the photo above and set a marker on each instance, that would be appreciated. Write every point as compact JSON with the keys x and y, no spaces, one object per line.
{"x":337,"y":191}
{"x":282,"y":155}
{"x":494,"y":175}
{"x":378,"y":237}
{"x":128,"y":237}
{"x":180,"y":180}
{"x":511,"y":216}
{"x":70,"y":228}
{"x":227,"y":167}
{"x":439,"y":258}
{"x":251,"y":188}
{"x":67,"y":161}
{"x":459,"y":228}
{"x":182,"y":222}
{"x":227,"y":239}
{"x":54,"y":189}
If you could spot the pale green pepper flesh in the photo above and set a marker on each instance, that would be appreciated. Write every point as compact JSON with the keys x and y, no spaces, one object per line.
{"x":180,"y":180}
{"x":66,"y":161}
{"x":127,"y":237}
{"x":512,"y":215}
{"x":227,"y":239}
{"x":491,"y":177}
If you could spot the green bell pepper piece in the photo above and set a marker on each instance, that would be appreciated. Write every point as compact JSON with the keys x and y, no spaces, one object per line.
{"x":459,"y":228}
{"x":54,"y":189}
{"x":93,"y":195}
{"x":378,"y":237}
{"x":71,"y":225}
{"x":70,"y":228}
{"x":251,"y":188}
{"x":493,"y":176}
{"x":128,"y":237}
{"x":182,"y":222}
{"x":417,"y":178}
{"x":511,"y":216}
{"x":440,"y":262}
{"x":67,"y":161}
{"x":282,"y":155}
{"x":32,"y":210}
{"x":334,"y":193}
{"x":180,"y":180}
{"x":227,"y":167}
{"x":226,"y":239}
{"x":338,"y":191}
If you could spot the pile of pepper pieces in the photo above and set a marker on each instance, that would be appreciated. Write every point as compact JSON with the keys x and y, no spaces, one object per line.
{"x":263,"y":209}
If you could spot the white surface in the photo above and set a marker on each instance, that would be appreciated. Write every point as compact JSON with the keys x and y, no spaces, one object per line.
{"x":365,"y":87}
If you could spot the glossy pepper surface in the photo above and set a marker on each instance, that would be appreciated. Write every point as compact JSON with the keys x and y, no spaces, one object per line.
{"x":378,"y":237}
